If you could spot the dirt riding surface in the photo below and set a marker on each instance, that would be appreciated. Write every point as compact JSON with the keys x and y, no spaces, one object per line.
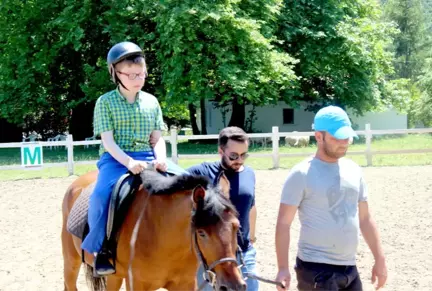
{"x":400,"y":200}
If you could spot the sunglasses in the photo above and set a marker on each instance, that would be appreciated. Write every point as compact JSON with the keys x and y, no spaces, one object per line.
{"x":235,"y":156}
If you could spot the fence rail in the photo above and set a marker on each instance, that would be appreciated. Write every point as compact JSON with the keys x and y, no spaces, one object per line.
{"x":275,"y":136}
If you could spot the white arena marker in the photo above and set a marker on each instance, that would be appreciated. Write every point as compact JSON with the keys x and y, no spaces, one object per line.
{"x":31,"y":155}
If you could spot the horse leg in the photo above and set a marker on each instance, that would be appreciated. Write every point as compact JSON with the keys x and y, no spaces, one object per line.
{"x":136,"y":285}
{"x":114,"y":283}
{"x":181,"y":285}
{"x":71,"y":261}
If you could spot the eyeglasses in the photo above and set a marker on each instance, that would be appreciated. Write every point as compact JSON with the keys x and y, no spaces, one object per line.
{"x":133,"y":76}
{"x":235,"y":156}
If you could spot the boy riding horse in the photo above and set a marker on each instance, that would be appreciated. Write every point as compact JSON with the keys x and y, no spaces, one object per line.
{"x":125,"y":118}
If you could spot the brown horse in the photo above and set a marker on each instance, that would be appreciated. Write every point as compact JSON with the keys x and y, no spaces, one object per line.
{"x":184,"y":219}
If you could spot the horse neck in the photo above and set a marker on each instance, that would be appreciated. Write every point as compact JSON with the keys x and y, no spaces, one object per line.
{"x":166,"y":221}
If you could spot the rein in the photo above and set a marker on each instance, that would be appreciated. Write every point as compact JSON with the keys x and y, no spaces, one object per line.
{"x":133,"y":240}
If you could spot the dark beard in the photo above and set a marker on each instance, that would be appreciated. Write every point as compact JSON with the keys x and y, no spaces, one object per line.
{"x":225,"y":165}
{"x":333,"y":155}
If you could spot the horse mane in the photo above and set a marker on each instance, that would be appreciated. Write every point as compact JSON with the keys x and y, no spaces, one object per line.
{"x":158,"y":184}
{"x":208,"y":211}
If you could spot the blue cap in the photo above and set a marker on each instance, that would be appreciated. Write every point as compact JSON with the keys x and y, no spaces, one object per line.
{"x":335,"y":121}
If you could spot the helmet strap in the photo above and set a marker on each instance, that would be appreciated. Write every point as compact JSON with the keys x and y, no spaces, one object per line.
{"x":120,"y":82}
{"x":117,"y":81}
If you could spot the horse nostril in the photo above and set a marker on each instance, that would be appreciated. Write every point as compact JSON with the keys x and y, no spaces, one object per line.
{"x":223,"y":288}
{"x":243,"y":287}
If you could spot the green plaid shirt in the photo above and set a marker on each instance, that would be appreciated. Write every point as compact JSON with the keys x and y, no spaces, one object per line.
{"x":131,"y":124}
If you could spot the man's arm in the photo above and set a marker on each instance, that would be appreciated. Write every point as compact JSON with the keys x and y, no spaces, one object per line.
{"x":291,"y":198}
{"x":159,"y":146}
{"x":370,"y":231}
{"x":156,"y":138}
{"x":282,"y":241}
{"x":371,"y":236}
{"x":282,"y":237}
{"x":199,"y":169}
{"x":252,"y":223}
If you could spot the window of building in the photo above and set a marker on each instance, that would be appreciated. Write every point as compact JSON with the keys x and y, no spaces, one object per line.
{"x":288,"y":116}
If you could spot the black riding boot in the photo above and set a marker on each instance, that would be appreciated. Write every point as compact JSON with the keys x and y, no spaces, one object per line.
{"x":102,"y":265}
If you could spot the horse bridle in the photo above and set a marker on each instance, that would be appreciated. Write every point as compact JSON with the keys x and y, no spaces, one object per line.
{"x":209,"y":274}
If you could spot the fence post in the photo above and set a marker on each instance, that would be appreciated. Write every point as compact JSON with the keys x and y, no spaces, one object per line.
{"x":275,"y":146}
{"x":368,"y":135}
{"x":173,"y":141}
{"x":69,"y":145}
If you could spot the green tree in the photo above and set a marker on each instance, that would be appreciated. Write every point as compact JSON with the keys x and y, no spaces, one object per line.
{"x":217,"y":50}
{"x":53,"y":57}
{"x":412,"y":47}
{"x":342,"y":51}
{"x":411,"y":42}
{"x":27,"y":77}
{"x":422,"y":108}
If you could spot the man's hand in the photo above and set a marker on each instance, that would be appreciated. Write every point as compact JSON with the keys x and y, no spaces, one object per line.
{"x":379,"y":271}
{"x":284,"y":277}
{"x":160,"y":165}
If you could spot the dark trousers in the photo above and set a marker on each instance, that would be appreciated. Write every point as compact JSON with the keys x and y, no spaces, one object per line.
{"x":318,"y":276}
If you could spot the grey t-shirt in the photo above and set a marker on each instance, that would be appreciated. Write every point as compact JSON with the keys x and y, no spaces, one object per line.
{"x":327,"y":196}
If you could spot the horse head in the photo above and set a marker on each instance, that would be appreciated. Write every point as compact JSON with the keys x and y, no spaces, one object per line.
{"x":214,"y":230}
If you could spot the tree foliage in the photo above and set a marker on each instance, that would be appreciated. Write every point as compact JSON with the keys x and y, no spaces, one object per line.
{"x":53,"y":56}
{"x":413,"y":41}
{"x":422,"y":107}
{"x":28,"y":50}
{"x":341,"y":47}
{"x":412,"y":48}
{"x":216,"y":50}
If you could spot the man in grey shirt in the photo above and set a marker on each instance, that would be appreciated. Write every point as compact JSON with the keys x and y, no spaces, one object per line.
{"x":330,"y":194}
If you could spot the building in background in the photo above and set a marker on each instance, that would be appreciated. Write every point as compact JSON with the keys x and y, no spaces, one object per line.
{"x":289,"y":119}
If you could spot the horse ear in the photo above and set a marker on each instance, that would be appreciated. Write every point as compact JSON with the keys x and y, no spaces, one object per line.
{"x":224,"y":184}
{"x":198,"y":193}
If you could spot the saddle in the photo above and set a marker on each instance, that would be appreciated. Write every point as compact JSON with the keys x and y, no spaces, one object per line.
{"x":121,"y":197}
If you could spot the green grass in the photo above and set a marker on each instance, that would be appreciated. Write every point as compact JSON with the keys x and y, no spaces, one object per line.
{"x":413,"y":141}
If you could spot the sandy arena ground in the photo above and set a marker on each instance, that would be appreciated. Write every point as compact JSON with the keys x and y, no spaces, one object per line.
{"x":400,"y":200}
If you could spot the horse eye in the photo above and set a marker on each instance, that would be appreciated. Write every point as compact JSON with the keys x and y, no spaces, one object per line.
{"x":201,"y":233}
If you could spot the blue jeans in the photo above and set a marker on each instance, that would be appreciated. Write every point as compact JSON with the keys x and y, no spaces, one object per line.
{"x":250,"y":266}
{"x":110,"y":170}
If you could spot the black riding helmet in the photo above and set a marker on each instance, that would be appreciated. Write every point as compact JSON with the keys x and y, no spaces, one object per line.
{"x":119,"y":52}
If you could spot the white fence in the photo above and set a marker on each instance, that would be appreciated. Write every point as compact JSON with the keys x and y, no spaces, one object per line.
{"x":275,"y":136}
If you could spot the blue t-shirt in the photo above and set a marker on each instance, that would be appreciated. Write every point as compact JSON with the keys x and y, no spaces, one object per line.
{"x":242,"y":193}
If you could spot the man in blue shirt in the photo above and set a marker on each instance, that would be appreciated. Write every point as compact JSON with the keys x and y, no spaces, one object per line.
{"x":233,"y":148}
